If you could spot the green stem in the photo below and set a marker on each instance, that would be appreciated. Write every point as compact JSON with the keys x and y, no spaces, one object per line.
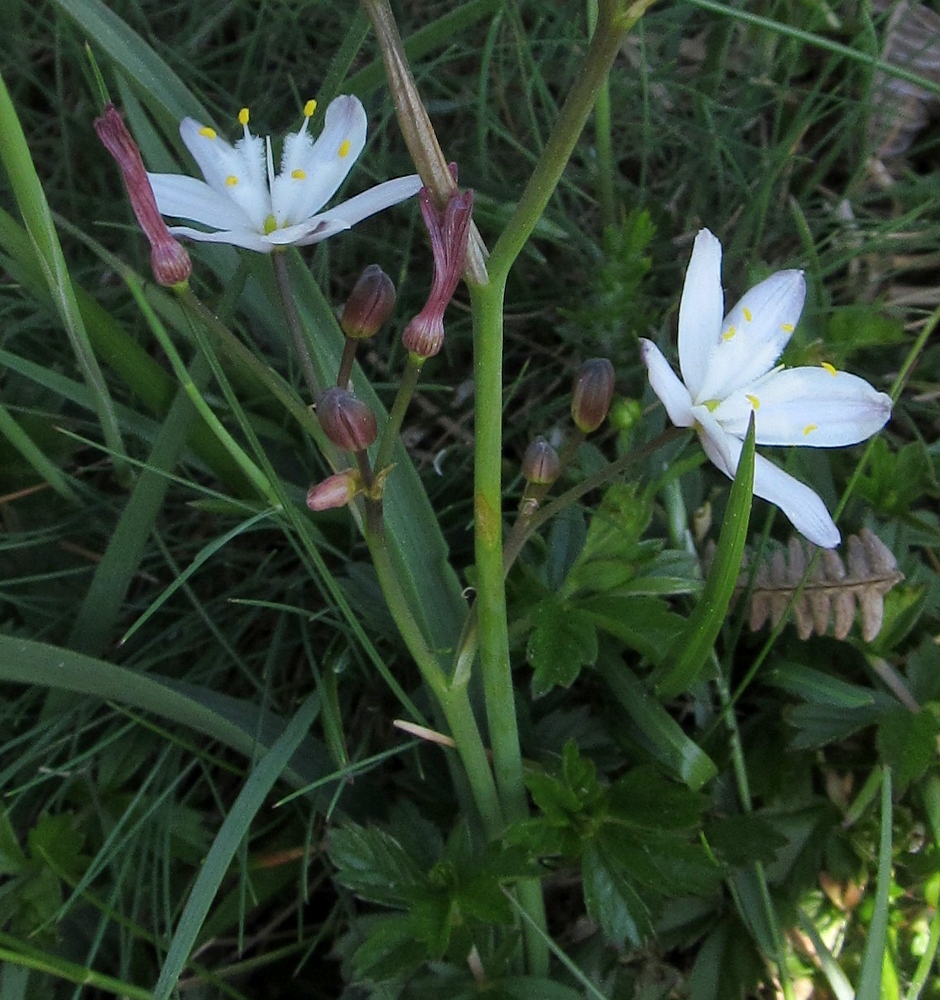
{"x":602,"y":136}
{"x":346,"y":362}
{"x":454,"y":700}
{"x":612,"y":26}
{"x":282,"y":278}
{"x":739,"y":767}
{"x":406,"y":389}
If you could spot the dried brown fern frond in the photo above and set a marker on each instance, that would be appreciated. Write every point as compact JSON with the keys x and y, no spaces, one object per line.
{"x":832,"y":590}
{"x":899,"y":108}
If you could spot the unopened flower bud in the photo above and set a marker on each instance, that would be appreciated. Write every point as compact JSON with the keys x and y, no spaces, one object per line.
{"x":424,"y":335}
{"x":540,"y":464}
{"x":591,"y":394}
{"x":346,"y":421}
{"x":334,"y":491}
{"x":626,"y":414}
{"x":168,"y":259}
{"x":369,"y":304}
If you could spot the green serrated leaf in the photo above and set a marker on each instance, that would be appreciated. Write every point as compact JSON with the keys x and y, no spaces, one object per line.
{"x":373,"y":864}
{"x":612,"y":901}
{"x":644,"y":623}
{"x":561,"y":643}
{"x":907,"y":742}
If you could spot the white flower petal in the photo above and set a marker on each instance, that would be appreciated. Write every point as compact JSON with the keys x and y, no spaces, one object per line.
{"x":235,"y":172}
{"x":246,"y":238}
{"x":753,"y":336}
{"x":375,"y":199}
{"x":318,"y":170}
{"x":700,"y":310}
{"x":667,"y":385}
{"x":818,"y":407}
{"x":723,"y":451}
{"x":183,"y":197}
{"x":804,"y":508}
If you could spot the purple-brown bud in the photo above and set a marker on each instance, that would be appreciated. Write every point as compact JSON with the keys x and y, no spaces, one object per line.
{"x":540,"y":463}
{"x":334,"y":491}
{"x":449,"y":231}
{"x":346,"y":421}
{"x":591,"y":394}
{"x":369,"y":304}
{"x":169,"y":259}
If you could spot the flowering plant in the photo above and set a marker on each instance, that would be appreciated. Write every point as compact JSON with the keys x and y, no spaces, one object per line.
{"x":729,"y":370}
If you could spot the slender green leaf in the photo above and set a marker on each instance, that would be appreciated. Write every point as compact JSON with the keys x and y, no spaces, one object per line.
{"x":690,"y":651}
{"x":37,"y":217}
{"x":869,"y":983}
{"x":232,"y":832}
{"x":24,"y":444}
{"x":660,"y":732}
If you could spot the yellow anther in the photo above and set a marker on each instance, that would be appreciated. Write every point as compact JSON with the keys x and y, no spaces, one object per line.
{"x":309,"y":109}
{"x":243,"y":116}
{"x":344,"y":148}
{"x":809,"y":428}
{"x":270,"y":224}
{"x":747,"y":313}
{"x":231,"y":180}
{"x":298,"y":175}
{"x":829,"y":368}
{"x":207,"y":133}
{"x":729,"y":333}
{"x":755,"y":402}
{"x":712,"y":404}
{"x":786,"y":327}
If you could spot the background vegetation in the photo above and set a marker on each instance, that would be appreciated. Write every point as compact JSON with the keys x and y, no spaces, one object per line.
{"x":727,"y":842}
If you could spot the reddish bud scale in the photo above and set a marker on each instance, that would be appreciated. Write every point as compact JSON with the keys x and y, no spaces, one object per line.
{"x":346,"y":421}
{"x":168,"y":259}
{"x":591,"y":394}
{"x":369,"y":305}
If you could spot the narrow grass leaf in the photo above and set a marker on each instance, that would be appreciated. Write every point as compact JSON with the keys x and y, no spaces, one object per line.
{"x":72,"y":972}
{"x":837,"y":979}
{"x":202,"y":557}
{"x":46,"y":469}
{"x":869,"y":983}
{"x":232,"y":721}
{"x":662,"y":735}
{"x":37,"y":218}
{"x":150,"y":75}
{"x":230,"y":836}
{"x":691,"y":649}
{"x":104,"y":599}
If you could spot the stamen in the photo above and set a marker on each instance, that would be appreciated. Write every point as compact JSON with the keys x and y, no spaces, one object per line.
{"x":809,"y":428}
{"x":298,"y":174}
{"x":243,"y":116}
{"x":747,"y":313}
{"x":786,"y":327}
{"x":270,"y":224}
{"x":829,"y":368}
{"x":231,"y":180}
{"x":755,"y":402}
{"x":207,"y":133}
{"x":344,"y":148}
{"x":309,"y":109}
{"x":729,"y":333}
{"x":712,"y":404}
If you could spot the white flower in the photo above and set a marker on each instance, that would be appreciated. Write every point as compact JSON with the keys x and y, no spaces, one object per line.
{"x":728,"y":372}
{"x":242,"y":202}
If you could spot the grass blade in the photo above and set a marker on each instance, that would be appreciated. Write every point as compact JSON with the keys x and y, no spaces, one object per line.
{"x":230,"y":836}
{"x":869,"y":982}
{"x":691,"y":649}
{"x":37,"y":217}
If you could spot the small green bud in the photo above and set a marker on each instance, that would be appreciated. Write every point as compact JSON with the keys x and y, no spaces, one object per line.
{"x":625,"y":414}
{"x":591,"y":394}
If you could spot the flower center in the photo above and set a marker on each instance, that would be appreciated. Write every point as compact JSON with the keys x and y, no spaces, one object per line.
{"x":270,"y":224}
